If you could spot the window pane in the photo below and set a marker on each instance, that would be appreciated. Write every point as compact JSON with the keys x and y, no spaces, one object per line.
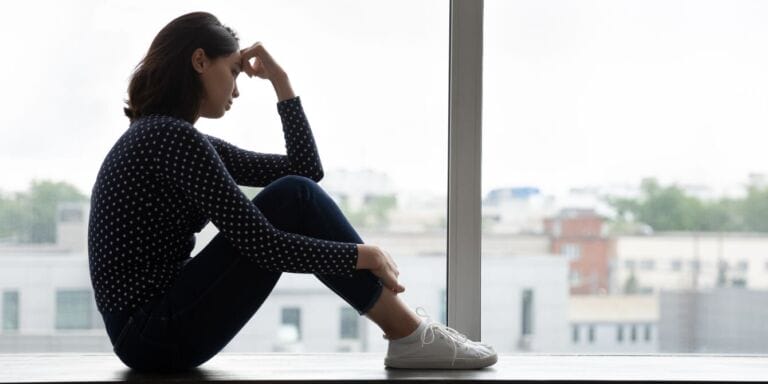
{"x":527,"y":312}
{"x":292,"y":317}
{"x":373,"y":81}
{"x":73,"y":309}
{"x":10,"y":310}
{"x":349,"y":323}
{"x":624,"y":174}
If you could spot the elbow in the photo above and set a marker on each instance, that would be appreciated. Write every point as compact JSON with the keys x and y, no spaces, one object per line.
{"x":318,"y":175}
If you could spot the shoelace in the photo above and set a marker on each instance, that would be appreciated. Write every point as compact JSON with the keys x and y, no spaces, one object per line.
{"x":456,"y":337}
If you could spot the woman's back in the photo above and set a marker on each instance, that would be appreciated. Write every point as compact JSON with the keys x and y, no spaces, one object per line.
{"x":141,"y":227}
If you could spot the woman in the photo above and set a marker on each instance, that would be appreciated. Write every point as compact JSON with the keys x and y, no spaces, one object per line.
{"x":163,"y":181}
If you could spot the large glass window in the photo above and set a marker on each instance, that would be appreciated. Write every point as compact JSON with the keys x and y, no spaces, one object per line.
{"x":624,"y":168}
{"x":373,"y":80}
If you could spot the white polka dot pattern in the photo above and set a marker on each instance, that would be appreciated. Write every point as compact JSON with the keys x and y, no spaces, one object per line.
{"x":163,"y":180}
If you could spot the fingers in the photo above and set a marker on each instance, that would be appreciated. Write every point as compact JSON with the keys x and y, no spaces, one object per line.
{"x":249,"y":53}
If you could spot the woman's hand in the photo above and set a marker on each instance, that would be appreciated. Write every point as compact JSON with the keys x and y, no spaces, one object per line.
{"x":381,"y":264}
{"x":264,"y":66}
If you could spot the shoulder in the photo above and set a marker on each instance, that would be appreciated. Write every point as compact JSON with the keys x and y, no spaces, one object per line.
{"x":166,"y":125}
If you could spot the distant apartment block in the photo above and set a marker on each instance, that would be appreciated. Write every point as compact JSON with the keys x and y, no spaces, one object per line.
{"x":690,"y":261}
{"x":613,"y":323}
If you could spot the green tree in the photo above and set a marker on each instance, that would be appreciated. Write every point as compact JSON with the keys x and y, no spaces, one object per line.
{"x":631,"y":285}
{"x":669,"y":208}
{"x":374,"y":213}
{"x":754,"y":209}
{"x":30,"y":217}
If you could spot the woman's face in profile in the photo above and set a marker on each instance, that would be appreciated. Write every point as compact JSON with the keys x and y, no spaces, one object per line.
{"x":219,"y":78}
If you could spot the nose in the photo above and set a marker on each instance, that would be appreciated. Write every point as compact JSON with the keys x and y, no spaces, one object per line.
{"x":235,"y":92}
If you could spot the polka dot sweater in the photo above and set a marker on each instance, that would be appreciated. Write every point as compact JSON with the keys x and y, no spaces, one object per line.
{"x":163,"y":181}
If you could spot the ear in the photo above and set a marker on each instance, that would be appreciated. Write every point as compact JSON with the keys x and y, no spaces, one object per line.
{"x":200,"y":61}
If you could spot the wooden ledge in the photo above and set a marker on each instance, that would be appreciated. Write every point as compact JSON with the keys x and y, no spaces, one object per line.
{"x":369,"y":367}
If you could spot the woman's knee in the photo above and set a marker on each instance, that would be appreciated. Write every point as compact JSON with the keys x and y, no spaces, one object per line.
{"x":290,"y":187}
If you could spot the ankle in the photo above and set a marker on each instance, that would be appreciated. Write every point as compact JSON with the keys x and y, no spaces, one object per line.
{"x":405,"y":331}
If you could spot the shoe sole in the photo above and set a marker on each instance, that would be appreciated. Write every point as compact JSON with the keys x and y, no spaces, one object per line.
{"x":426,"y":363}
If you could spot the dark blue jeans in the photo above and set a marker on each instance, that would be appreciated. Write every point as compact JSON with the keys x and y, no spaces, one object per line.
{"x":219,"y":290}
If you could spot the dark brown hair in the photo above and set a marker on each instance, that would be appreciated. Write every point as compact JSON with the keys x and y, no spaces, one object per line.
{"x":164,"y":81}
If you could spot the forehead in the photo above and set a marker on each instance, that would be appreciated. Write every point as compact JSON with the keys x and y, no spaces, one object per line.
{"x":233,"y":58}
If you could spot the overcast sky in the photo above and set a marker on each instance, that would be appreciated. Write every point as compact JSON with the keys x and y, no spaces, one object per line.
{"x":575,"y":92}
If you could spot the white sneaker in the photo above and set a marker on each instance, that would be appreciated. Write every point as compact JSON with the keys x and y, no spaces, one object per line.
{"x":435,"y":346}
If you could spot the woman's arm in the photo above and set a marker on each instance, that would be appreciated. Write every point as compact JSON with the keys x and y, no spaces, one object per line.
{"x":257,"y":169}
{"x":282,"y":87}
{"x":201,"y":178}
{"x":381,"y":264}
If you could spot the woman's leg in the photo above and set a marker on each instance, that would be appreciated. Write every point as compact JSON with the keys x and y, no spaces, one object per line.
{"x":218,"y":291}
{"x":324,"y":220}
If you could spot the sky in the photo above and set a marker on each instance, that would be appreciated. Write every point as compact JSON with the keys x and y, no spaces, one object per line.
{"x":575,"y":92}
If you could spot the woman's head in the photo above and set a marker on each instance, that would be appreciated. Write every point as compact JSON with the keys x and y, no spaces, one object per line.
{"x":188,"y":71}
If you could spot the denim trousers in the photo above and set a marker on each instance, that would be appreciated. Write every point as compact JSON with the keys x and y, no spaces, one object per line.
{"x":219,"y":290}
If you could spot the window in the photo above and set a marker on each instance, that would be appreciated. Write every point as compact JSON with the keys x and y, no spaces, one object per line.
{"x":573,"y":251}
{"x":291,"y":316}
{"x":10,"y":311}
{"x":695,"y":265}
{"x":647,"y":264}
{"x":527,"y":312}
{"x":350,"y":325}
{"x":394,"y":195}
{"x":571,"y":91}
{"x":574,"y":277}
{"x":647,"y":332}
{"x":73,"y":309}
{"x":575,"y":333}
{"x":591,"y":333}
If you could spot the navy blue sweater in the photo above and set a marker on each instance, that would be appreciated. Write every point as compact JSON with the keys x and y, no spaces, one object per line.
{"x":164,"y":180}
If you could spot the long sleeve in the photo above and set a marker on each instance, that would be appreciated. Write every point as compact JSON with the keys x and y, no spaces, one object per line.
{"x":256,"y":169}
{"x":189,"y":163}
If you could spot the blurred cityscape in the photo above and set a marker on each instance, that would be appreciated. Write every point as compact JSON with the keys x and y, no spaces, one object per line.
{"x":648,"y":268}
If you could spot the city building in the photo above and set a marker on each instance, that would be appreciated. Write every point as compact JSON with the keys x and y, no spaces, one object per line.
{"x":689,"y":261}
{"x":580,"y":235}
